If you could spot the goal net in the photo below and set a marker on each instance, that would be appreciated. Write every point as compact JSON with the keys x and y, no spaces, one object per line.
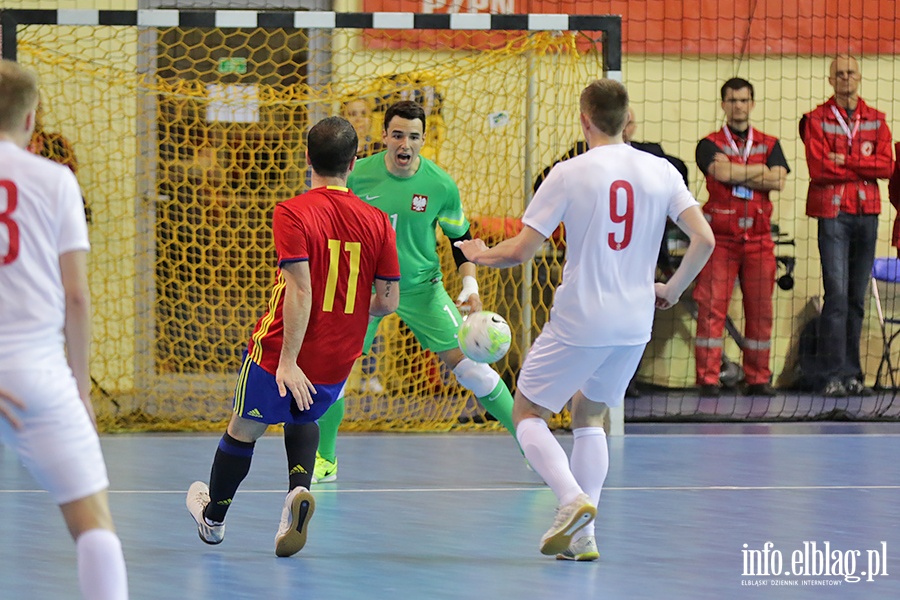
{"x":187,"y":127}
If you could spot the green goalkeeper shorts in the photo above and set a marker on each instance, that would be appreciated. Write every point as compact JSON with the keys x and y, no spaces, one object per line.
{"x":430,"y":314}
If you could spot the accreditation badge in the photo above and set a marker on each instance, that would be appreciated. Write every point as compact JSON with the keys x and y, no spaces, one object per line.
{"x":742,"y":192}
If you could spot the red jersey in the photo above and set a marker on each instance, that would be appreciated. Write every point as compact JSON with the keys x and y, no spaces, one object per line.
{"x":348,"y":244}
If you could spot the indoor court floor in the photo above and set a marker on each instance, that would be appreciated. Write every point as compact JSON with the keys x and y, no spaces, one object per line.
{"x":458,"y":516}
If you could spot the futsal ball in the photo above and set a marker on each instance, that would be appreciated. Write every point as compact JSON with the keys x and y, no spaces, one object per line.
{"x":484,"y":337}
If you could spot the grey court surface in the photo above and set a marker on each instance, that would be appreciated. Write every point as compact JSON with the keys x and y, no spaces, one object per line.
{"x":685,"y":514}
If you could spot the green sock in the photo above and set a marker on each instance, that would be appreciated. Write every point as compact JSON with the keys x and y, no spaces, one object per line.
{"x":329,"y":423}
{"x":499,"y":403}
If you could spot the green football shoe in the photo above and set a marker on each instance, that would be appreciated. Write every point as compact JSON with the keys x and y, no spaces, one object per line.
{"x":325,"y":471}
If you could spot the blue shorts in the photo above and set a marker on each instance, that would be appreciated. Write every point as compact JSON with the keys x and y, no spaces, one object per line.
{"x":256,"y":398}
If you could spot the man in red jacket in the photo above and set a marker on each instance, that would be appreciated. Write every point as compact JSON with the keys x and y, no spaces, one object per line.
{"x":894,"y":195}
{"x":741,"y":165}
{"x":848,"y":148}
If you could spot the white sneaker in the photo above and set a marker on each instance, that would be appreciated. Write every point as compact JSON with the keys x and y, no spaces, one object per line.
{"x":569,"y":519}
{"x":299,"y":506}
{"x":582,"y":549}
{"x":196,"y":501}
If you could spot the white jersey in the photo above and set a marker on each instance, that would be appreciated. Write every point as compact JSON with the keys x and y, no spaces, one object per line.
{"x":613,"y":201}
{"x":41,"y":218}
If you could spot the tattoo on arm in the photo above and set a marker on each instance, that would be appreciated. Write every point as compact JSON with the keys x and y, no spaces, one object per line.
{"x":387,"y":290}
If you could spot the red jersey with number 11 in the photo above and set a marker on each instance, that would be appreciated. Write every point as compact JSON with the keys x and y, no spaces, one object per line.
{"x":348,"y":245}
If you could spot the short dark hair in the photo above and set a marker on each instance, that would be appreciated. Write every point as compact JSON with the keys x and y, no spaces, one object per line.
{"x":605,"y":102}
{"x":405,"y":109}
{"x":331,"y":145}
{"x":735,"y":84}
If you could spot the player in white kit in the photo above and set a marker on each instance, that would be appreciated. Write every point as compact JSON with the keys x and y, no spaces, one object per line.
{"x":613,"y":201}
{"x":45,"y":338}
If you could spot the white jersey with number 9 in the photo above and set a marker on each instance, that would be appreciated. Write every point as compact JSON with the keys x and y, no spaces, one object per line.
{"x":613,"y":201}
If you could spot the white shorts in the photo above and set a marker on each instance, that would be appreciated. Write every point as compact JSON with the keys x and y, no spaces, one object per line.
{"x":554,"y":371}
{"x":57,"y":442}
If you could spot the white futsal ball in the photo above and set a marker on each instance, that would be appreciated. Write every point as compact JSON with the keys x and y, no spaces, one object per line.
{"x":484,"y":337}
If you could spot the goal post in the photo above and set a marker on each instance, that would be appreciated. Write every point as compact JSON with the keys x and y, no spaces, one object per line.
{"x":188,"y":126}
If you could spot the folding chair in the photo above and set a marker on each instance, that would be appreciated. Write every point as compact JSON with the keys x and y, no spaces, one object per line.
{"x":886,"y":291}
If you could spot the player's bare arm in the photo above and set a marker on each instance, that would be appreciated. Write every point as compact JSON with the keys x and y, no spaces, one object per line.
{"x":692,"y":222}
{"x":296,"y":310}
{"x":73,"y":271}
{"x":385,"y":299}
{"x":508,"y":253}
{"x":7,"y":403}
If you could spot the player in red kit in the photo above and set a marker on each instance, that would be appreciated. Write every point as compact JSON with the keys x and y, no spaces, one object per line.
{"x":332,"y":249}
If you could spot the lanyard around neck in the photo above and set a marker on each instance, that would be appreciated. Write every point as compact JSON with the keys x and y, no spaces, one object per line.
{"x":844,"y":124}
{"x":748,"y":145}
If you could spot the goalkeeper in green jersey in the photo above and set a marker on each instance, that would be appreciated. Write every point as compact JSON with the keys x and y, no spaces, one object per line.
{"x":417,"y":196}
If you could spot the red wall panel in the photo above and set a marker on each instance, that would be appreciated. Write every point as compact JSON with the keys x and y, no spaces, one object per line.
{"x":716,"y":27}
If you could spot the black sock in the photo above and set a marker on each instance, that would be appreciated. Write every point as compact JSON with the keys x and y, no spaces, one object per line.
{"x":230,"y":467}
{"x":300,"y":443}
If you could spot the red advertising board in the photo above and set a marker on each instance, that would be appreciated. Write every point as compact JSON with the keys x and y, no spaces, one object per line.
{"x":714,"y":27}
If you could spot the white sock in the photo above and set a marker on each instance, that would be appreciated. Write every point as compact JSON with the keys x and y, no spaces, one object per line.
{"x":590,"y":463}
{"x":101,"y":566}
{"x":547,"y":458}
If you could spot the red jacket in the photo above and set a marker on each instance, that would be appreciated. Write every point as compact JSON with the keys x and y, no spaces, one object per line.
{"x":894,"y":195}
{"x":731,"y":216}
{"x":851,"y":187}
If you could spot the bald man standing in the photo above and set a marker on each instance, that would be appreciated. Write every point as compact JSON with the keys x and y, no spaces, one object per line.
{"x":848,"y":148}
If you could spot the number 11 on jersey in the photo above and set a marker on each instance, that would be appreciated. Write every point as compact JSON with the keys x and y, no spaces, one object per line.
{"x":353,"y":249}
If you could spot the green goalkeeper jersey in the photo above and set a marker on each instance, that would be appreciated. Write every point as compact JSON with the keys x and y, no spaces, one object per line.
{"x":416,"y":206}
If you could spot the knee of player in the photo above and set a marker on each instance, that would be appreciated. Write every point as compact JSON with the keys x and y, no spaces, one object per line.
{"x":588,"y":413}
{"x":479,"y":378}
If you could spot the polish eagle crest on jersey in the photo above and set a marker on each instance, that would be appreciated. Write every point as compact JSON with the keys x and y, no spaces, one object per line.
{"x":419,"y":203}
